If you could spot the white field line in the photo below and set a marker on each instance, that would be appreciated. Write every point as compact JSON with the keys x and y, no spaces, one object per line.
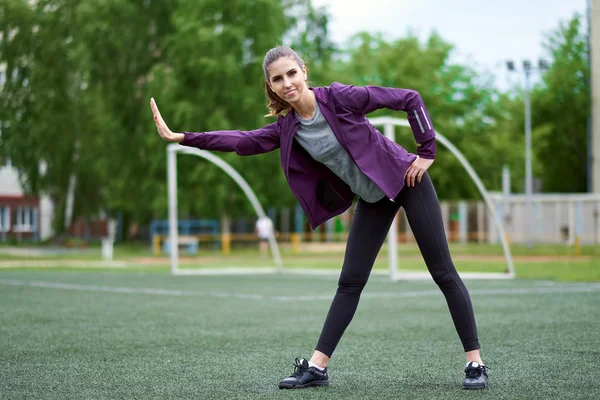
{"x":568,"y":288}
{"x":62,"y":263}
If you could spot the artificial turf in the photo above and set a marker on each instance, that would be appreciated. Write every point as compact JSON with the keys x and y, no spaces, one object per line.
{"x":76,"y":334}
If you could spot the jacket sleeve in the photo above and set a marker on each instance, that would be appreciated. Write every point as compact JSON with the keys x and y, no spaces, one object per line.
{"x":244,"y":143}
{"x":366,"y":99}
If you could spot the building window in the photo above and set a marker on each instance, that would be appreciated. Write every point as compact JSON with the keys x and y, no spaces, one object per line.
{"x":4,"y":218}
{"x":25,"y":219}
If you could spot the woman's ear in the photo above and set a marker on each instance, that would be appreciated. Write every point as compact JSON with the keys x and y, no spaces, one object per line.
{"x":305,"y":72}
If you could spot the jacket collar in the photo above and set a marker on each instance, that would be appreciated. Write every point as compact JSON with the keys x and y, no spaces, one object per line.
{"x":321,"y":95}
{"x":322,"y":99}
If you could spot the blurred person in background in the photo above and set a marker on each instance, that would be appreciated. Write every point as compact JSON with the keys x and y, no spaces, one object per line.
{"x":264,"y":227}
{"x":330,"y":153}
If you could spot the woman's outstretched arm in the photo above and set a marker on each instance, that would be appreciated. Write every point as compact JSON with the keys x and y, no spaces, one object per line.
{"x":244,"y":143}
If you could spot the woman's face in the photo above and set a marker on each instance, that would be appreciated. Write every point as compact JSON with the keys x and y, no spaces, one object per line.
{"x":287,"y":79}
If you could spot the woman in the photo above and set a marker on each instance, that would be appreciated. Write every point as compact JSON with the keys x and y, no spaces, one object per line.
{"x":330,"y":153}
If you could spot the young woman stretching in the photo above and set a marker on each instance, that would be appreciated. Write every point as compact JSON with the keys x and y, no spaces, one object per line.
{"x":330,"y":153}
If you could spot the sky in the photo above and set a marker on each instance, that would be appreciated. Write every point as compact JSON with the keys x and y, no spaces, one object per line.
{"x":485,"y":33}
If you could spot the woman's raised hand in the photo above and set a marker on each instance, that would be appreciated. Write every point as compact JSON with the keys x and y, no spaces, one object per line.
{"x":161,"y":126}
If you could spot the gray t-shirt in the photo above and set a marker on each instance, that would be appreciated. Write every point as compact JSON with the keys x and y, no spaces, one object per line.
{"x":317,"y":138}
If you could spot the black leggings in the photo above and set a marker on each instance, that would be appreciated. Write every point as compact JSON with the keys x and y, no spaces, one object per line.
{"x":369,"y":229}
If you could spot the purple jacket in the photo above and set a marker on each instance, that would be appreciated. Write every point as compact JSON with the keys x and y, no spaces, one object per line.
{"x":321,"y":193}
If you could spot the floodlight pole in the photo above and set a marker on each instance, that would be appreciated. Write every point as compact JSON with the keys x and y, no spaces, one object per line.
{"x":528,"y":169}
{"x":528,"y":69}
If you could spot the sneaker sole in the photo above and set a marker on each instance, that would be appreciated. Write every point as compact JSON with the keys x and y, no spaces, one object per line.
{"x":474,"y":387}
{"x":306,"y":385}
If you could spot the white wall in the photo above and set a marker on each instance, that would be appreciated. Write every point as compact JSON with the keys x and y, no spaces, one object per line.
{"x":9,"y":182}
{"x":45,"y":217}
{"x":552,"y":212}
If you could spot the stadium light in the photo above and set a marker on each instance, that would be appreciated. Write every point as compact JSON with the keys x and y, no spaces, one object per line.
{"x":528,"y":69}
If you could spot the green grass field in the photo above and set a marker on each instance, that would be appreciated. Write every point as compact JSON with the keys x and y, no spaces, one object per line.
{"x":137,"y":333}
{"x":549,"y":262}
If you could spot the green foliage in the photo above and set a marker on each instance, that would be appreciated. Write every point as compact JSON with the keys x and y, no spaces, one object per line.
{"x":80,"y":75}
{"x":211,"y":80}
{"x":44,"y":117}
{"x":561,"y":107}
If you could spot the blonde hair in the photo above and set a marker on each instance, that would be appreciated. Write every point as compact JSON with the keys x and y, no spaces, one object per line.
{"x":276,"y":105}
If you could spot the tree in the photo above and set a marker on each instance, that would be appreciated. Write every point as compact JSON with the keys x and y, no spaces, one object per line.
{"x":124,"y":39}
{"x":561,"y":108}
{"x":212,"y":79}
{"x":80,"y":75}
{"x":43,"y":119}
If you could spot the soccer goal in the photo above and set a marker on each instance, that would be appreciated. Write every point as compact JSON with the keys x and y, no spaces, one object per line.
{"x":394,"y":272}
{"x":388,"y":124}
{"x":172,"y":151}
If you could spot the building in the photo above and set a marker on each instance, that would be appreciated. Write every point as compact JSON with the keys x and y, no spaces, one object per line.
{"x":22,"y":217}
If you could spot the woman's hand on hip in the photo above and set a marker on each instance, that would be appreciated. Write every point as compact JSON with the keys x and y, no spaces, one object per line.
{"x":417,"y":169}
{"x":161,"y":126}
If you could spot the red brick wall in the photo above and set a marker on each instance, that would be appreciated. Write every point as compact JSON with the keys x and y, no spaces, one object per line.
{"x":19,"y":201}
{"x":92,"y":228}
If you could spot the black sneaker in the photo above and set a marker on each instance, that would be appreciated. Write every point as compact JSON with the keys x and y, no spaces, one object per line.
{"x":476,"y":376}
{"x":305,"y":376}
